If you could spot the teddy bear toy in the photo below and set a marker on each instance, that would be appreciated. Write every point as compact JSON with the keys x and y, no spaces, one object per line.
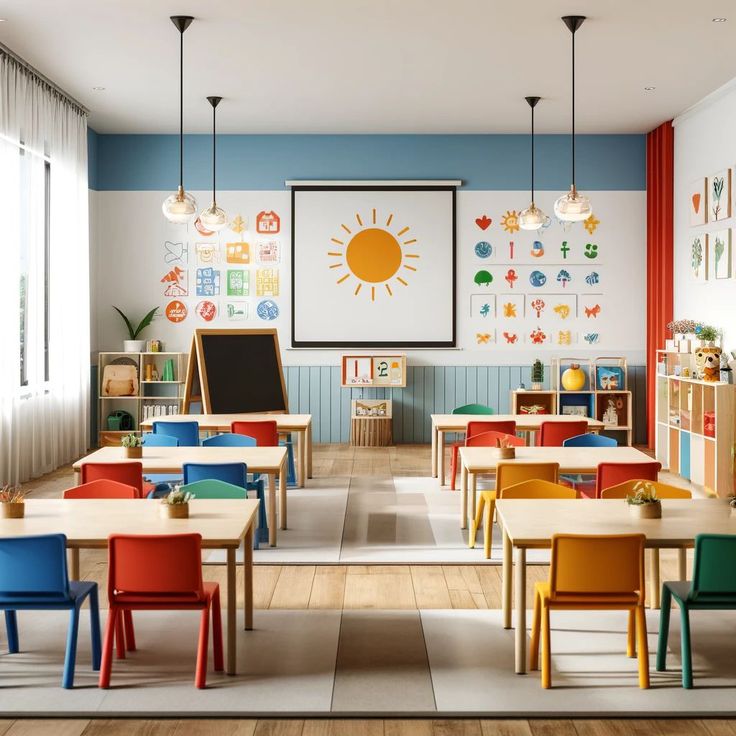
{"x":708,"y":363}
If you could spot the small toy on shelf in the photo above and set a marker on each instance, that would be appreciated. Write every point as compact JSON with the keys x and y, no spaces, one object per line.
{"x":708,"y":364}
{"x":537,"y":375}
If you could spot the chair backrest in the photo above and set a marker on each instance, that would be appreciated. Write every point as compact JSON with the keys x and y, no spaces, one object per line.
{"x":607,"y":565}
{"x":509,"y":474}
{"x":166,"y":567}
{"x":473,"y":409}
{"x":613,"y":474}
{"x":553,"y":434}
{"x":714,"y":574}
{"x":102,"y":488}
{"x":489,"y":439}
{"x":265,"y":433}
{"x":186,"y":432}
{"x":129,"y":473}
{"x":537,"y":489}
{"x":34,"y":568}
{"x":590,"y":440}
{"x":233,"y":473}
{"x":502,"y":426}
{"x":229,"y":439}
{"x":214,"y":489}
{"x":151,"y":439}
{"x":664,"y":490}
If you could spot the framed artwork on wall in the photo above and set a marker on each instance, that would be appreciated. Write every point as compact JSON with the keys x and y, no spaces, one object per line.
{"x":719,"y":196}
{"x":698,"y":202}
{"x":719,"y":254}
{"x":699,"y":257}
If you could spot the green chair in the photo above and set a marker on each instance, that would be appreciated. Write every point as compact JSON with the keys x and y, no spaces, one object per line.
{"x":473,"y":409}
{"x":713,"y":587}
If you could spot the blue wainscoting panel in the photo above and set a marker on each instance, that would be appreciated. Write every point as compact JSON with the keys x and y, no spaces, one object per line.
{"x":430,"y":389}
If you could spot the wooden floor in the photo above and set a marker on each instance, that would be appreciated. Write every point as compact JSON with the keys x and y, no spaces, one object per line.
{"x":359,"y":587}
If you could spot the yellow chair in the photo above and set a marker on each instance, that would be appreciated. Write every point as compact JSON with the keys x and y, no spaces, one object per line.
{"x":507,"y":474}
{"x":591,"y":573}
{"x":538,"y":489}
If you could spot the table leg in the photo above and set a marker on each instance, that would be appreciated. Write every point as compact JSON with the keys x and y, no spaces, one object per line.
{"x":520,"y":595}
{"x":74,"y":563}
{"x":463,"y":496}
{"x":508,"y":567}
{"x":271,"y":510}
{"x":434,"y":451}
{"x":654,"y":583}
{"x":77,"y":478}
{"x":441,"y":457}
{"x":308,"y":450}
{"x":230,"y":665}
{"x":282,"y":496}
{"x":301,"y":465}
{"x":248,"y":578}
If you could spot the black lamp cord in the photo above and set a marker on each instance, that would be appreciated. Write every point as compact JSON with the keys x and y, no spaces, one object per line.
{"x":214,"y":150}
{"x":532,"y":154}
{"x":181,"y":109}
{"x":573,"y":109}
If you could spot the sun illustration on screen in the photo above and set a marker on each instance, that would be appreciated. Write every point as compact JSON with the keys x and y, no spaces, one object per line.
{"x":375,"y":253}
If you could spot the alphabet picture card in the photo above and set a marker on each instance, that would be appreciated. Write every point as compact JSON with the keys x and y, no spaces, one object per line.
{"x":719,"y":196}
{"x":698,"y":202}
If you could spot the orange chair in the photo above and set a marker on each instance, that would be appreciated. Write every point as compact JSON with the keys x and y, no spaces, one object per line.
{"x":265,"y":433}
{"x":131,"y":474}
{"x":102,"y":488}
{"x":664,"y":490}
{"x":477,"y":428}
{"x":553,"y":434}
{"x":538,"y":489}
{"x":507,"y":474}
{"x":141,"y":576}
{"x":591,"y":573}
{"x":613,"y":474}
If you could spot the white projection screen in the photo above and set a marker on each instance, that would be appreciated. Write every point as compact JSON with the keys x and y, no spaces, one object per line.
{"x":373,"y":266}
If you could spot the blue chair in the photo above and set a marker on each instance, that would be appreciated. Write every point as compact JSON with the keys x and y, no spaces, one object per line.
{"x":33,"y":576}
{"x":585,"y":440}
{"x":162,"y":481}
{"x":186,"y":432}
{"x":151,"y":439}
{"x":229,"y":439}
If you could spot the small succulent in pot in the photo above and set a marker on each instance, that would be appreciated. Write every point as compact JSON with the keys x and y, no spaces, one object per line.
{"x":177,"y":497}
{"x":644,"y":502}
{"x":133,"y":445}
{"x":12,"y":502}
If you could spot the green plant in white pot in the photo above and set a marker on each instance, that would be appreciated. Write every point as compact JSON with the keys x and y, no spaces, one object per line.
{"x":134,"y":345}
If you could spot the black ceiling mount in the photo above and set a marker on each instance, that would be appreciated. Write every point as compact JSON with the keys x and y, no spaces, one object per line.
{"x":182,"y":22}
{"x":532,"y":101}
{"x":214,"y":101}
{"x":573,"y":22}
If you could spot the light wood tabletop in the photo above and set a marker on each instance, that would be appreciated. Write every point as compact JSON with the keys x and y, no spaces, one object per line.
{"x":270,"y":461}
{"x":443,"y":424}
{"x":531,"y":524}
{"x":477,"y":460}
{"x":87,"y":524}
{"x":300,"y":424}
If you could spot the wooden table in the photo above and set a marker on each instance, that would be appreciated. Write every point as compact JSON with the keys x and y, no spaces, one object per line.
{"x":443,"y":424}
{"x":87,"y":523}
{"x":531,"y":524}
{"x":299,"y":424}
{"x":270,"y":461}
{"x":574,"y":460}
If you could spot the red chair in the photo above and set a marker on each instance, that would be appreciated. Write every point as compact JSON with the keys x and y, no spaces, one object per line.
{"x":131,"y":474}
{"x":265,"y":433}
{"x":102,"y":488}
{"x":553,"y":434}
{"x":474,"y":428}
{"x":141,"y":577}
{"x":611,"y":474}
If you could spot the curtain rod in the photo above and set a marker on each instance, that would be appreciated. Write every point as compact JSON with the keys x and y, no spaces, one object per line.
{"x":42,"y":78}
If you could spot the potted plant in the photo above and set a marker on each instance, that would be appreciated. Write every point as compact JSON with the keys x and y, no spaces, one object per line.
{"x":643,"y":501}
{"x":176,"y":504}
{"x":708,"y":335}
{"x":506,"y":450}
{"x":134,"y":345}
{"x":12,"y":502}
{"x":133,"y":445}
{"x":537,"y":375}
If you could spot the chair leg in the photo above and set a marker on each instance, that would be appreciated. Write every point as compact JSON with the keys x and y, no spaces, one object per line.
{"x":453,"y":467}
{"x":217,"y":631}
{"x":11,"y":626}
{"x":546,"y":648}
{"x":70,"y":659}
{"x":475,"y":522}
{"x":262,"y":516}
{"x":94,"y":625}
{"x":200,"y":677}
{"x":120,"y":635}
{"x":129,"y":630}
{"x":631,"y":635}
{"x":534,"y":644}
{"x":687,"y":663}
{"x":488,"y":528}
{"x":665,"y":612}
{"x":642,"y":647}
{"x":107,"y":645}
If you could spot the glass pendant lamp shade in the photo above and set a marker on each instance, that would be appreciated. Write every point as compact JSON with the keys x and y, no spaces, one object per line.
{"x":532,"y":218}
{"x":214,"y":217}
{"x":178,"y":208}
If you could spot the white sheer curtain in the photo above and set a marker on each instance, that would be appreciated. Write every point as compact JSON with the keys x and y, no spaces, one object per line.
{"x":44,"y":263}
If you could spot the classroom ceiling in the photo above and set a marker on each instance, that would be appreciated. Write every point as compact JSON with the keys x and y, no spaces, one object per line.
{"x":377,"y":66}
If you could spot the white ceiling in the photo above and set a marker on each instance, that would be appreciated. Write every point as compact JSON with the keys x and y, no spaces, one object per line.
{"x":376,"y":66}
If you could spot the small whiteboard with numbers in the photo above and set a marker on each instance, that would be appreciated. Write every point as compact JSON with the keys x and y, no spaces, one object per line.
{"x":373,"y":370}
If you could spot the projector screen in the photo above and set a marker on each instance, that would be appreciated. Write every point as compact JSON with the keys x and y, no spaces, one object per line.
{"x":373,"y":266}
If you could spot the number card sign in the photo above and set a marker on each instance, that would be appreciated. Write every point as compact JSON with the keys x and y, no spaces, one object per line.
{"x":374,"y":370}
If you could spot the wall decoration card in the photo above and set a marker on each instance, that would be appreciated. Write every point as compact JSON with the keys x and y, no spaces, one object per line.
{"x":719,"y":254}
{"x":483,"y":306}
{"x":699,"y":256}
{"x":719,"y":196}
{"x":373,"y":266}
{"x":698,"y":202}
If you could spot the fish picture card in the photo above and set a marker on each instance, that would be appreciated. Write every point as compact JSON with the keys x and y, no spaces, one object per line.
{"x":563,"y":307}
{"x":483,"y":306}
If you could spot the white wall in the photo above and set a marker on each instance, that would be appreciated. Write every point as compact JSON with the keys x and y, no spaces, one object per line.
{"x":130,"y":231}
{"x":705,"y":143}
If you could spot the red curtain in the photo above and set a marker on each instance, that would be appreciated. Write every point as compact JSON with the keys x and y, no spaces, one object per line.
{"x":660,"y":260}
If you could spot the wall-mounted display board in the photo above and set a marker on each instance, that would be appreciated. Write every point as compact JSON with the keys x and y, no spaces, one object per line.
{"x":373,"y":265}
{"x":236,"y":371}
{"x":373,"y":370}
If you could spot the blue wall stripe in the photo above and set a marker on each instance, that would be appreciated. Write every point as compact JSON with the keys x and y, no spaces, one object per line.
{"x":263,"y":162}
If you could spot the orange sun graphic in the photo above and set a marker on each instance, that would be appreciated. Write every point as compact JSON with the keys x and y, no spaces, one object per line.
{"x":373,"y":254}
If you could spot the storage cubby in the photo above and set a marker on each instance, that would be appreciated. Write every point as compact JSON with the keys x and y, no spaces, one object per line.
{"x":533,"y":402}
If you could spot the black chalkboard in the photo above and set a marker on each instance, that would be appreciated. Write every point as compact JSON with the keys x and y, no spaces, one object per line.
{"x":240,"y":371}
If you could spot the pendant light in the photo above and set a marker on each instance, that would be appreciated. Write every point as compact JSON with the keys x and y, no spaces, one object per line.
{"x":532,"y":218}
{"x":573,"y":206}
{"x":180,"y":207}
{"x":214,"y":217}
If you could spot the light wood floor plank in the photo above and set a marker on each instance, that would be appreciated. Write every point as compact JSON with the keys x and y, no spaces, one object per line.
{"x":408,"y":728}
{"x":294,"y":587}
{"x":339,"y":727}
{"x":505,"y":728}
{"x":430,"y":587}
{"x":131,"y":727}
{"x":552,"y":728}
{"x":42,"y":727}
{"x":279,"y":728}
{"x":216,"y":727}
{"x":328,"y":587}
{"x":465,"y":727}
{"x":379,"y":591}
